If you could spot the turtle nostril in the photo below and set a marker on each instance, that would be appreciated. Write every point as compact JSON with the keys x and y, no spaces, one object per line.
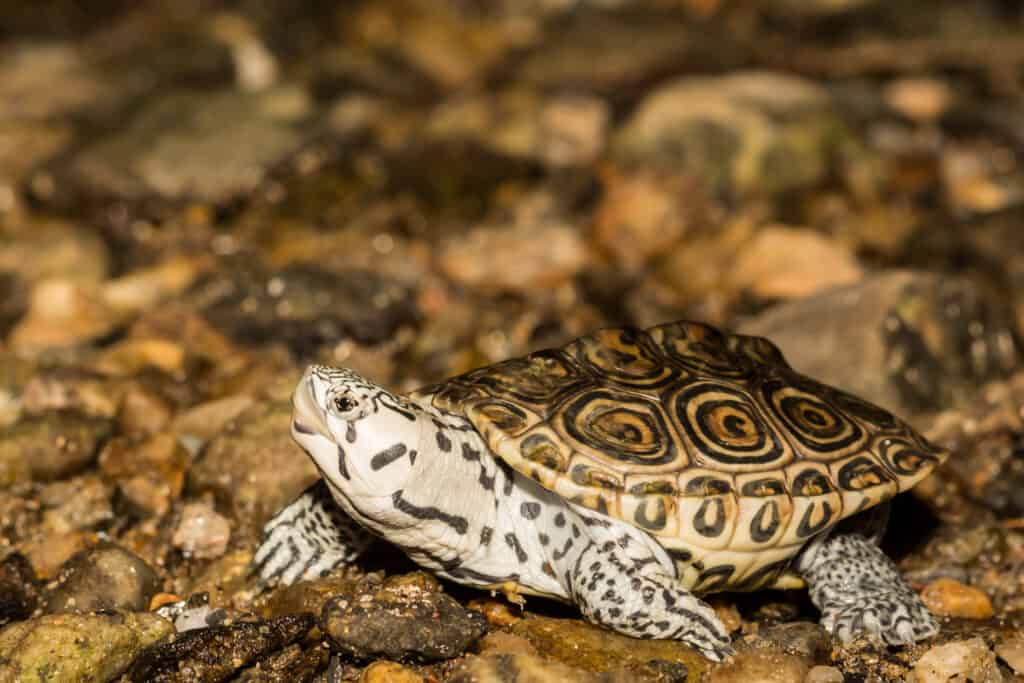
{"x":343,"y":404}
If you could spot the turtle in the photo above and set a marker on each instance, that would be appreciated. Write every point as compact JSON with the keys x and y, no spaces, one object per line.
{"x":628,"y":473}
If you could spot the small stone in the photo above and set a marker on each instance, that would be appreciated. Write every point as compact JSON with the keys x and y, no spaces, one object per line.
{"x":1010,"y":651}
{"x":787,"y":263}
{"x":506,"y":643}
{"x":920,"y":99}
{"x":962,"y":660}
{"x":294,"y":664}
{"x":62,"y":314}
{"x":389,"y":672}
{"x":728,"y":613}
{"x":214,"y":654}
{"x":764,"y":666}
{"x":142,"y":411}
{"x":310,"y":596}
{"x":150,"y":474}
{"x":77,"y":504}
{"x":204,"y":421}
{"x":824,"y":674}
{"x":19,"y":589}
{"x":54,"y":445}
{"x":497,"y":612}
{"x":102,"y":578}
{"x":49,"y":551}
{"x":950,"y":598}
{"x":202,"y":532}
{"x":86,"y":648}
{"x":406,"y":617}
{"x":519,"y":668}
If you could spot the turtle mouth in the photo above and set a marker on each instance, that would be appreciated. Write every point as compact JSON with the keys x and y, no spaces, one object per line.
{"x":307,"y":417}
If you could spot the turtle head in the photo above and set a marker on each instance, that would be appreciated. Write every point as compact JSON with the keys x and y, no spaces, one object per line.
{"x":362,"y":437}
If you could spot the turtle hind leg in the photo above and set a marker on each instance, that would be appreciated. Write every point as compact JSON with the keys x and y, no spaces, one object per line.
{"x":621,"y":585}
{"x":308,"y":538}
{"x":858,"y":589}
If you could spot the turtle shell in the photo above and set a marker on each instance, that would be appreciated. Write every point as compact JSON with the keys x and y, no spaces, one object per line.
{"x":711,"y":442}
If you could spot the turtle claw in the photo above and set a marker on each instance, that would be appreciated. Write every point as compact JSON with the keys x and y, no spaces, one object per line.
{"x":894,"y":618}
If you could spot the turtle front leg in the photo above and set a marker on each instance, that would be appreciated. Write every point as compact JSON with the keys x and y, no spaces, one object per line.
{"x":619,"y":583}
{"x":858,"y":589}
{"x":308,"y":538}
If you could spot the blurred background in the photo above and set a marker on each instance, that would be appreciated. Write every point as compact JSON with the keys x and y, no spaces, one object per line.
{"x":199,"y":198}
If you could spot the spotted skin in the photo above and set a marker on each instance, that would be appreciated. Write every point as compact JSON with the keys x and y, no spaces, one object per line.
{"x":858,"y":589}
{"x":426,"y":480}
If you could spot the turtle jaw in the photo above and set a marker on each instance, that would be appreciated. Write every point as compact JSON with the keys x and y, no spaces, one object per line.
{"x":308,"y":417}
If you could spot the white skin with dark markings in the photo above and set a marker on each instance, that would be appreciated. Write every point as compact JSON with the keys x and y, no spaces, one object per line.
{"x":425,"y":481}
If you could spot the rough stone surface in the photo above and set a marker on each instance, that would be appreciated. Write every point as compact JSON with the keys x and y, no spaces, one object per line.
{"x":103,"y":578}
{"x":406,"y":617}
{"x":84,"y":648}
{"x":964,"y":660}
{"x":292,"y":665}
{"x":769,"y":666}
{"x":216,"y":653}
{"x":19,"y":589}
{"x":54,"y":445}
{"x":202,"y":532}
{"x":389,"y":672}
{"x":523,"y":668}
{"x":950,"y":598}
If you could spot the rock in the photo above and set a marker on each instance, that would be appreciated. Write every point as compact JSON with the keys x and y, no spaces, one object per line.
{"x":1011,"y":651}
{"x":253,"y":469}
{"x":150,"y":474}
{"x":787,"y":263}
{"x":105,"y":577}
{"x":216,"y":653}
{"x":303,"y":306}
{"x":910,"y":342}
{"x":142,"y":411}
{"x":950,"y":598}
{"x":919,"y":99}
{"x":54,"y":250}
{"x":764,"y":666}
{"x":558,"y":131}
{"x":202,"y":422}
{"x":824,"y":674}
{"x":540,"y":250}
{"x":85,"y":648}
{"x":71,"y":389}
{"x":24,"y":68}
{"x":48,"y":551}
{"x":202,"y":532}
{"x":584,"y":646}
{"x":191,"y":145}
{"x":808,"y":640}
{"x":54,"y":445}
{"x":405,"y":617}
{"x":19,"y":589}
{"x":62,"y":314}
{"x":78,"y":504}
{"x":389,"y":672}
{"x":13,"y":301}
{"x":963,"y":660}
{"x":497,"y":613}
{"x":310,"y":596}
{"x":141,"y":290}
{"x":523,"y":668}
{"x":745,"y":132}
{"x":292,"y":665}
{"x":505,"y":643}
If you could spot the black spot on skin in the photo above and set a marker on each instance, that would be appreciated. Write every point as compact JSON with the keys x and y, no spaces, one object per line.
{"x":544,"y":539}
{"x":443,"y":442}
{"x":485,"y":535}
{"x":387,"y":456}
{"x":412,"y":457}
{"x":575,"y":531}
{"x":530,"y":510}
{"x":487,"y":482}
{"x":350,"y":433}
{"x":470,"y":453}
{"x":513,"y":543}
{"x":458,"y":523}
{"x":342,"y":465}
{"x":560,"y":520}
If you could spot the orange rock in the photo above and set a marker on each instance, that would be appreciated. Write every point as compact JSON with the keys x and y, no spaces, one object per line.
{"x":161,"y":599}
{"x":948,"y":597}
{"x":497,"y":613}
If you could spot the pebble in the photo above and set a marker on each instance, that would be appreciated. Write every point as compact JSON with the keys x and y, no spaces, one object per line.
{"x":764,"y":666}
{"x":104,"y":577}
{"x":950,"y":598}
{"x":1011,"y":651}
{"x":54,"y":445}
{"x":294,"y":664}
{"x":406,"y":616}
{"x":149,"y":473}
{"x":389,"y":672}
{"x":84,"y":648}
{"x":824,"y":674}
{"x":201,"y":533}
{"x":62,"y":314}
{"x":497,"y":612}
{"x":19,"y":589}
{"x":77,"y":504}
{"x":253,"y":467}
{"x":789,"y":263}
{"x":961,"y":661}
{"x":525,"y":668}
{"x":214,"y":654}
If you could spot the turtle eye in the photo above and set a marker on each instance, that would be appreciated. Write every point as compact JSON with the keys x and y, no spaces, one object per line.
{"x":343,"y":404}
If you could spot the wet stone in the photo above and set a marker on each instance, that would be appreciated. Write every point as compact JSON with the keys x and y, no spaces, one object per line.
{"x":804,"y":639}
{"x":191,"y":145}
{"x":202,"y":532}
{"x":302,"y":306}
{"x":310,"y":596}
{"x":950,"y":598}
{"x":292,"y":665}
{"x":767,"y":666}
{"x":406,"y":617}
{"x":54,"y":445}
{"x":13,"y":301}
{"x":105,"y":577}
{"x":520,"y":668}
{"x":963,"y":660}
{"x":86,"y":648}
{"x":389,"y":672}
{"x":216,"y":653}
{"x":19,"y":589}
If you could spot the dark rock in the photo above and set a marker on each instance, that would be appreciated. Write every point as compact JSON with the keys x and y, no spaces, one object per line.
{"x":13,"y":301}
{"x":407,"y":617}
{"x":303,"y":306}
{"x":215,"y":654}
{"x":802,"y":638}
{"x":55,"y":445}
{"x":104,"y":577}
{"x":19,"y":589}
{"x":291,"y":665}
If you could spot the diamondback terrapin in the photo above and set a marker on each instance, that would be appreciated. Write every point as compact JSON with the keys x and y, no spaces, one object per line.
{"x":625,"y":472}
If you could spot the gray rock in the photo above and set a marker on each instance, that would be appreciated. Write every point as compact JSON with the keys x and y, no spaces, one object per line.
{"x":217,"y":653}
{"x":55,"y":445}
{"x":19,"y":589}
{"x":102,"y":578}
{"x":79,"y":648}
{"x":407,"y":617}
{"x":291,"y":665}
